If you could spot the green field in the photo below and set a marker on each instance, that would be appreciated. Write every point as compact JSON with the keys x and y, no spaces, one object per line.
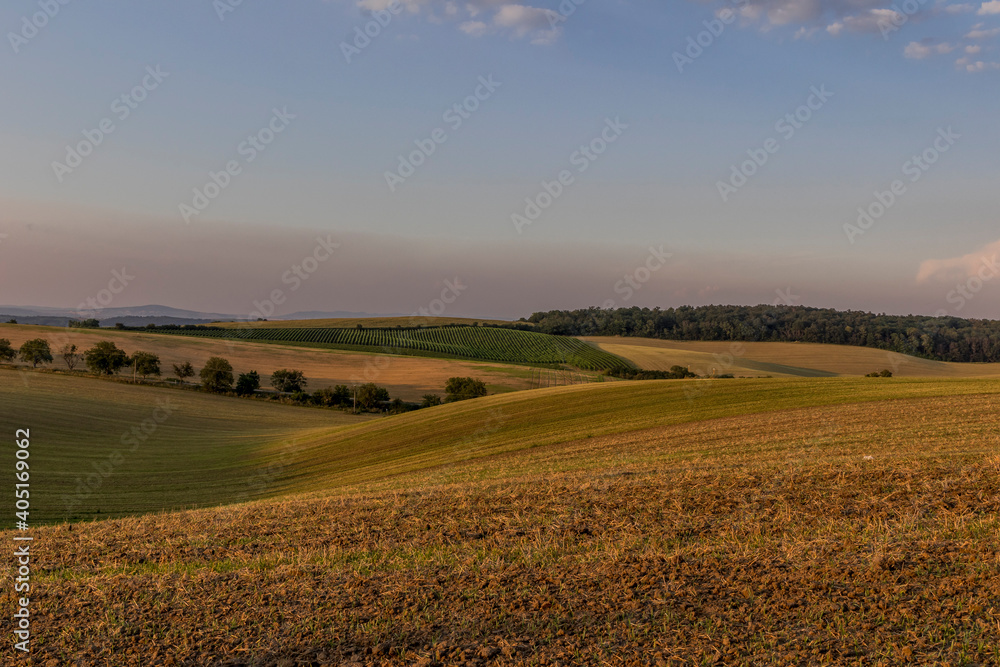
{"x":845,"y":521}
{"x":213,"y":450}
{"x":101,"y":448}
{"x":478,"y":343}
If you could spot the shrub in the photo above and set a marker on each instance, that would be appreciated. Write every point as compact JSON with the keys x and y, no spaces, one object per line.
{"x":105,"y":358}
{"x":145,"y":363}
{"x":371,"y":396}
{"x":460,"y":389}
{"x":430,"y":400}
{"x":288,"y":381}
{"x":185,"y":370}
{"x":247,"y":383}
{"x":70,"y":355}
{"x":217,"y":375}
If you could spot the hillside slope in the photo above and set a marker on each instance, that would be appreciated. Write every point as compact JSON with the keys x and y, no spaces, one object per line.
{"x":757,"y":522}
{"x":781,"y":359}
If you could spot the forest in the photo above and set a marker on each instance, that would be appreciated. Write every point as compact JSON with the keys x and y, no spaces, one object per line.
{"x":940,"y":338}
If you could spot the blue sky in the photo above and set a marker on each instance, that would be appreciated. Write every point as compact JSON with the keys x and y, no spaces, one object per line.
{"x":895,"y":82}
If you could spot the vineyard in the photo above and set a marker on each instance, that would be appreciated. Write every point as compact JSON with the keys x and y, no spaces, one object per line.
{"x":480,"y":343}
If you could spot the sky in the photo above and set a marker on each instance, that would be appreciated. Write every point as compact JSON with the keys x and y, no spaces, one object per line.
{"x":371,"y":155}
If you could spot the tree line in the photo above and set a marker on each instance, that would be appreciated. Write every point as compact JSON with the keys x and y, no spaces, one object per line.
{"x":941,"y":338}
{"x":217,"y":376}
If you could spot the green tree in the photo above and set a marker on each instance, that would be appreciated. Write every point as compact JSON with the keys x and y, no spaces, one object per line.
{"x":430,"y":400}
{"x":105,"y":358}
{"x":460,"y":389}
{"x":70,"y":355}
{"x":184,"y":371}
{"x":247,"y":383}
{"x":332,"y":396}
{"x":7,"y":353}
{"x":288,"y":381}
{"x":85,"y":324}
{"x":371,"y":396}
{"x":36,"y":351}
{"x":145,"y":364}
{"x":217,"y":375}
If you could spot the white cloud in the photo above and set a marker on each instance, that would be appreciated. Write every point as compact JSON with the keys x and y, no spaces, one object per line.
{"x":919,"y":51}
{"x":988,"y":8}
{"x":473,"y":28}
{"x":959,"y":9}
{"x":973,"y":49}
{"x":540,"y":26}
{"x":958,"y":269}
{"x":980,"y":66}
{"x":979,"y":32}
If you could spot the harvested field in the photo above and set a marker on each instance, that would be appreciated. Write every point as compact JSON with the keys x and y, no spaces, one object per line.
{"x":781,"y":359}
{"x":830,"y":531}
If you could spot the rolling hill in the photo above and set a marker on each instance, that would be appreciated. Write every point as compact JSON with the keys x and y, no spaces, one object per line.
{"x":465,"y":342}
{"x":668,"y":522}
{"x":406,"y":376}
{"x":781,"y":359}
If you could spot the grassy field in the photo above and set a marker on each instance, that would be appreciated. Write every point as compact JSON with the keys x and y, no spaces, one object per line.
{"x":104,"y":448}
{"x":477,"y":343}
{"x":739,"y":522}
{"x":407,"y":377}
{"x":351,"y":322}
{"x":781,"y":359}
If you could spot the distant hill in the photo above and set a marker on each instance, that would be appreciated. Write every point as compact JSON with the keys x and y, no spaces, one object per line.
{"x":138,"y":316}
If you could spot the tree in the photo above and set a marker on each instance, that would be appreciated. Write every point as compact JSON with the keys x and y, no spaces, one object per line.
{"x":247,"y":383}
{"x":398,"y":406}
{"x":370,"y":396}
{"x":85,"y":324}
{"x":430,"y":400}
{"x":105,"y":358}
{"x":332,"y":396}
{"x":145,"y":363}
{"x":7,"y":353}
{"x":12,"y":321}
{"x":184,"y":371}
{"x":217,"y":375}
{"x":36,"y":351}
{"x":460,"y":389}
{"x":288,"y":381}
{"x":70,"y":355}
